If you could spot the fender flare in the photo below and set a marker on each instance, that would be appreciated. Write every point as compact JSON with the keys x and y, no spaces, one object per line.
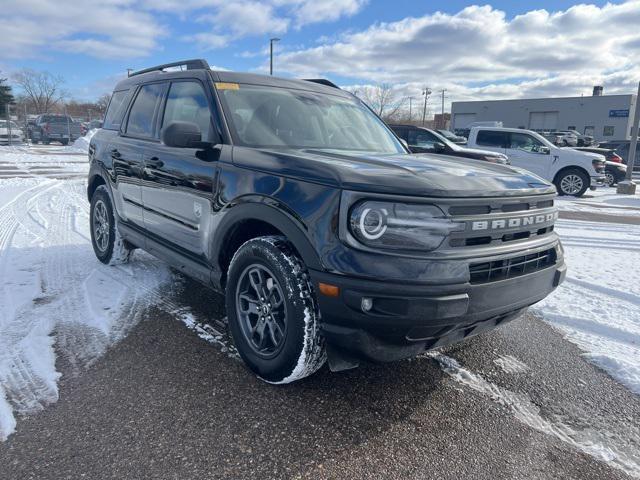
{"x":272,"y":212}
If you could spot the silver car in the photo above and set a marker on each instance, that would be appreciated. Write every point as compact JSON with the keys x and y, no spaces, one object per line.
{"x":10,"y":129}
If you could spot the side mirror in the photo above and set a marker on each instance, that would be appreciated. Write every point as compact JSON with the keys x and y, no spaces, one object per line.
{"x":439,"y":147}
{"x":182,"y":135}
{"x":544,"y":150}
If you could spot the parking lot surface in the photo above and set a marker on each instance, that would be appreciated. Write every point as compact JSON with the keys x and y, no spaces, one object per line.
{"x":151,"y":386}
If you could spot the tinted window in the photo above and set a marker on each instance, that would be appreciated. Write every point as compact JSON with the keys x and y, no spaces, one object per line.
{"x":142,"y":112}
{"x":492,"y":139}
{"x":421,"y":138}
{"x":116,"y":109}
{"x":187,"y":103}
{"x":608,"y":131}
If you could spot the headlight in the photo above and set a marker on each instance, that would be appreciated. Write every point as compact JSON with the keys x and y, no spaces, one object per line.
{"x":400,"y":226}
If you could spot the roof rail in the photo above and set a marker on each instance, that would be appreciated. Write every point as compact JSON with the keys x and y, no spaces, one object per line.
{"x":194,"y":64}
{"x":322,"y":81}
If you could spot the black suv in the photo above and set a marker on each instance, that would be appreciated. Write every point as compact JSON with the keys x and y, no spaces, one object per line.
{"x":425,"y":140}
{"x":328,"y":239}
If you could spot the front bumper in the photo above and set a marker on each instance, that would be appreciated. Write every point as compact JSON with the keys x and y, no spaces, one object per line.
{"x":407,"y":319}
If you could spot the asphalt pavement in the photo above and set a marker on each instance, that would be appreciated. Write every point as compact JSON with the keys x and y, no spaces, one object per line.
{"x":164,"y":403}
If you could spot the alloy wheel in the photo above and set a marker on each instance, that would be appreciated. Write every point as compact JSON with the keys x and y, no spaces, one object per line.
{"x":571,"y":184}
{"x":262,"y":310}
{"x":101,"y":226}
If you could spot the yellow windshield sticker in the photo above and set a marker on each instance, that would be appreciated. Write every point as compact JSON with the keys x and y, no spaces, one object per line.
{"x":227,"y":86}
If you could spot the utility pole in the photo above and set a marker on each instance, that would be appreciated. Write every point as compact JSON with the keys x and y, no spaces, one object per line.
{"x":628,"y":187}
{"x":8,"y":111}
{"x":426,"y":92}
{"x":271,"y":42}
{"x":442,"y":122}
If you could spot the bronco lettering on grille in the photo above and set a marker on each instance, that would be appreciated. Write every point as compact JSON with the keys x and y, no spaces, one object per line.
{"x":514,"y":222}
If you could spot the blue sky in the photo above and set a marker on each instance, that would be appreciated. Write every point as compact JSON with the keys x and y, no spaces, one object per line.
{"x":499,"y":49}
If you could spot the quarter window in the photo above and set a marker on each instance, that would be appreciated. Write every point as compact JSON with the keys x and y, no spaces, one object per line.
{"x":491,"y":138}
{"x":143,"y":110}
{"x":187,"y":103}
{"x":116,"y":109}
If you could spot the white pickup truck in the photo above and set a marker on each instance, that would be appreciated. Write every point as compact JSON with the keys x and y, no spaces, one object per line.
{"x":571,"y":171}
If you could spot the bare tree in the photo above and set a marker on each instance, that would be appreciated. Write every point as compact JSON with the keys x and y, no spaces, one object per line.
{"x":383,"y":100}
{"x":42,"y":89}
{"x":103,"y":102}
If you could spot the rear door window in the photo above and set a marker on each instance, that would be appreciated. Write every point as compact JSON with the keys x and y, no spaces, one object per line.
{"x":490,"y":138}
{"x":143,"y":112}
{"x":421,"y":138}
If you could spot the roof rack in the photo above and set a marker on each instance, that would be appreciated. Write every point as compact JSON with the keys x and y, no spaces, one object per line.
{"x":194,"y":64}
{"x":322,"y":81}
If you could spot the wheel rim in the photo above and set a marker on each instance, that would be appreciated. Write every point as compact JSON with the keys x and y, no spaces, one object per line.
{"x":571,"y":184}
{"x":609,"y":179}
{"x":101,"y":225}
{"x":262,"y":310}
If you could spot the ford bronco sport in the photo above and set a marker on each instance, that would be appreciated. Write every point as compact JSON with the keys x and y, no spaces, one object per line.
{"x":327,"y":237}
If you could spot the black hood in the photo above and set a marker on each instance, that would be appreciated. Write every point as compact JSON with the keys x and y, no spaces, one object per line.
{"x":419,"y":175}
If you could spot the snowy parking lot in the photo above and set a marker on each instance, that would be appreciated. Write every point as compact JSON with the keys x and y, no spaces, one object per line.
{"x":66,"y":321}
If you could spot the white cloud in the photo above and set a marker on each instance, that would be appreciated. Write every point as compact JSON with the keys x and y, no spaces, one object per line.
{"x":537,"y":53}
{"x":316,"y":11}
{"x":106,"y":29}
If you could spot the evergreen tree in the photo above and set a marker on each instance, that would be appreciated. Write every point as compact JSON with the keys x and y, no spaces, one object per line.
{"x":6,"y":97}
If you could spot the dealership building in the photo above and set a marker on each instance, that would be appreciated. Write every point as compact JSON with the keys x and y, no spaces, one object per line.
{"x":605,"y":117}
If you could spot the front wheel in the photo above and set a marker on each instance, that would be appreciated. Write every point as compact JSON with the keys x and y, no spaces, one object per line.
{"x":609,"y":179}
{"x":572,"y":182}
{"x":273,"y":313}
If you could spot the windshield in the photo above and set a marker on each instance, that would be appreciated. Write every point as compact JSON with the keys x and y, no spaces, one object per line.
{"x":261,"y":116}
{"x":447,"y":142}
{"x":3,"y":124}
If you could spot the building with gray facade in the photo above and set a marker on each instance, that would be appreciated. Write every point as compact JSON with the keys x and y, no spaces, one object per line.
{"x":605,"y":117}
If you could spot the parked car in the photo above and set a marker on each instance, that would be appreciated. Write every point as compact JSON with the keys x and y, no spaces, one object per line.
{"x":608,"y":153}
{"x":614,"y":173}
{"x":425,"y":140}
{"x":452,"y":137}
{"x":10,"y":133}
{"x":327,"y":237}
{"x":583,"y":140}
{"x":621,"y":147}
{"x":561,"y":139}
{"x":571,"y":171}
{"x":59,"y":128}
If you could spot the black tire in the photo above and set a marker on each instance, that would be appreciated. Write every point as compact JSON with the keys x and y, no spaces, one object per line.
{"x":64,"y":142}
{"x":46,"y":141}
{"x":285,"y":344}
{"x":108,"y":245}
{"x":572,"y":182}
{"x":610,"y":179}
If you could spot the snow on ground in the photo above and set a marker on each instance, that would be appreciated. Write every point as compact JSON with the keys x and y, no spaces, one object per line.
{"x":598,"y":306}
{"x":603,"y":201}
{"x":55,"y":297}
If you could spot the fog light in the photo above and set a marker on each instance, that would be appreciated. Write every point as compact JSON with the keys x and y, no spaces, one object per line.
{"x":367,"y":304}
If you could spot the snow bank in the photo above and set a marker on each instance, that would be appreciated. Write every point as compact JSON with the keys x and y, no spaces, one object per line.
{"x":82,"y":143}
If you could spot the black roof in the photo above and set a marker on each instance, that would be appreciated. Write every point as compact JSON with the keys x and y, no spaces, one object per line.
{"x":199,"y":66}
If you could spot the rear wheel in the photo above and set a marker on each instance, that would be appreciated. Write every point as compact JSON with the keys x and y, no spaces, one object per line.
{"x":572,"y":182}
{"x":107,"y":243}
{"x":609,"y":179}
{"x":273,"y":313}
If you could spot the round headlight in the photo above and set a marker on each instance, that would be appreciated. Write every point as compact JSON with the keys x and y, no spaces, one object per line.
{"x":373,"y":223}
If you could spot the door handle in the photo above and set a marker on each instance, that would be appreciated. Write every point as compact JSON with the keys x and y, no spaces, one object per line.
{"x":154,"y":162}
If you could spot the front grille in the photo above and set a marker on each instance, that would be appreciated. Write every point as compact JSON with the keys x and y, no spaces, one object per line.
{"x":511,"y":267}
